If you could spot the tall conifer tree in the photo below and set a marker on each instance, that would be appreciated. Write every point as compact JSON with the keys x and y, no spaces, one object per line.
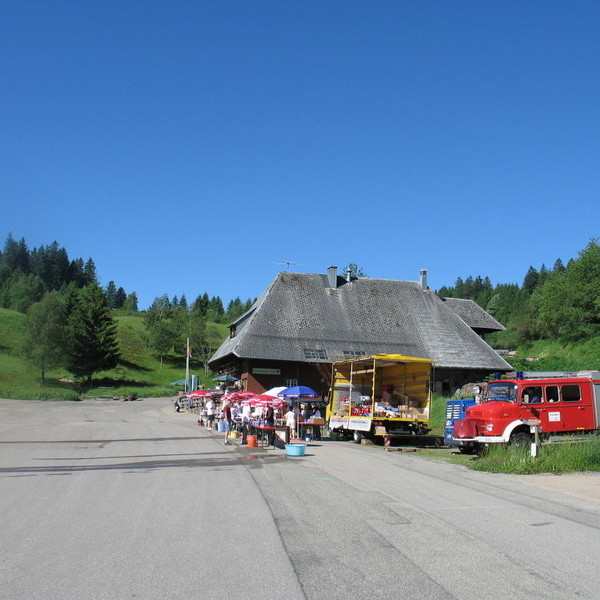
{"x":92,"y":334}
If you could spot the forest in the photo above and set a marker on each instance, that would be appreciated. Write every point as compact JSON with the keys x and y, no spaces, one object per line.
{"x":562,"y":303}
{"x":26,"y":275}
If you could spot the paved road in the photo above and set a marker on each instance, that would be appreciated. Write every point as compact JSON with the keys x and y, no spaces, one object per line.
{"x":104,"y":499}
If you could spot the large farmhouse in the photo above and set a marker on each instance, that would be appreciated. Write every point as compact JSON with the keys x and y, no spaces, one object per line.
{"x":303,"y":323}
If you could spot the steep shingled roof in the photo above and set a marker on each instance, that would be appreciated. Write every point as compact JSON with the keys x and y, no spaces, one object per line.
{"x":300,"y":318}
{"x":473,"y":315}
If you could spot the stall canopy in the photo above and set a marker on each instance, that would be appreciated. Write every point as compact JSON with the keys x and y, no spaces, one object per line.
{"x":274,"y":391}
{"x":264,"y":400}
{"x":237,"y":396}
{"x":300,"y":392}
{"x":200,"y":394}
{"x":226,"y":378}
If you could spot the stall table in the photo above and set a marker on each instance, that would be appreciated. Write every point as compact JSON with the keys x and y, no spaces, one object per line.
{"x":312,"y":427}
{"x":280,"y":434}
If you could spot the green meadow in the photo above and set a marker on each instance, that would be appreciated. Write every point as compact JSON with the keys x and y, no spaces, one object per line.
{"x":138,"y":370}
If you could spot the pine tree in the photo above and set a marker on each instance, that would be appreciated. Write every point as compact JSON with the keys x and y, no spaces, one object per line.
{"x":89,"y":272}
{"x":559,"y":267}
{"x":532,"y":278}
{"x":201,"y":304}
{"x":92,"y":334}
{"x":111,"y":294}
{"x":120,"y":298}
{"x":16,"y":255}
{"x":76,"y":273}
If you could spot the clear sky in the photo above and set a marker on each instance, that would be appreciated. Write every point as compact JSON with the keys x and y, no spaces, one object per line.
{"x":197,"y":146}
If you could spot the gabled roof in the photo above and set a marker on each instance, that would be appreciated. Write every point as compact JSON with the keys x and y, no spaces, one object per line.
{"x":300,"y":318}
{"x":473,"y":315}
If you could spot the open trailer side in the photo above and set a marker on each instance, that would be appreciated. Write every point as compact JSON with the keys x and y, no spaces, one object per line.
{"x":380,"y":395}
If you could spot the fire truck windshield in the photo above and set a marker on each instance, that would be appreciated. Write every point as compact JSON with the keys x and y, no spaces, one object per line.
{"x":504,"y":392}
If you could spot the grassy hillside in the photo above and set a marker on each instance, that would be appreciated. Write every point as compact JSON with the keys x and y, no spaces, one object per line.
{"x":138,"y":371}
{"x":552,"y":355}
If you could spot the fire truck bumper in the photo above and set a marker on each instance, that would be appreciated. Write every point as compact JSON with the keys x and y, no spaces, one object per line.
{"x":490,"y":439}
{"x":475,"y":441}
{"x":461,"y":443}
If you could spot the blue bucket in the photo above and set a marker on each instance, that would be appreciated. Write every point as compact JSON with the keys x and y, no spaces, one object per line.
{"x":295,"y":449}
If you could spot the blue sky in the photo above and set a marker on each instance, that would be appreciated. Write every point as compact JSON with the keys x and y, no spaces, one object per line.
{"x":196,"y":146}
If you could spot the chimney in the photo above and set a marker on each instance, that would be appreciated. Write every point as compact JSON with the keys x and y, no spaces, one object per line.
{"x":348,"y":274}
{"x":332,"y":277}
{"x":424,"y":279}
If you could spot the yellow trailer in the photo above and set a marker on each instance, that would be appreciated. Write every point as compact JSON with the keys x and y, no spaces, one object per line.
{"x":383,"y":394}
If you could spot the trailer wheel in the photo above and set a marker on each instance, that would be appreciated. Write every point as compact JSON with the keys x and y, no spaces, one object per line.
{"x":357,"y":437}
{"x":521,"y":438}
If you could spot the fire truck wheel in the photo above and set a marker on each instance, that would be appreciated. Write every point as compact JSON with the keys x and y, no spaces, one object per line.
{"x":520,"y":438}
{"x":357,"y":437}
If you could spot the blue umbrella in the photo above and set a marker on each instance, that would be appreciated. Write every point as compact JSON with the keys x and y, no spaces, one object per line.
{"x":302,"y":392}
{"x":298,"y":391}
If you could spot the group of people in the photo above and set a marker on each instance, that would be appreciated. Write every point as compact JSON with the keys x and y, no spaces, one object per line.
{"x":230,"y":416}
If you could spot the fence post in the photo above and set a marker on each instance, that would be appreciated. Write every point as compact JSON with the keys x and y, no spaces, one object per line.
{"x":534,"y":427}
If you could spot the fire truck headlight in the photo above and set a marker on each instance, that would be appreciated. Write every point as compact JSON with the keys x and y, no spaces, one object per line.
{"x":490,"y":427}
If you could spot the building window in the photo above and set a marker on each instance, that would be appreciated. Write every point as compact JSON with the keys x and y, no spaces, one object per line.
{"x":352,"y":353}
{"x":315,"y":354}
{"x":290,"y":382}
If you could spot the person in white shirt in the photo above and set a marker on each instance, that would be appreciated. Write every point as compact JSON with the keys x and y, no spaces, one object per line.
{"x":210,"y":413}
{"x":246,"y":416}
{"x":290,"y":422}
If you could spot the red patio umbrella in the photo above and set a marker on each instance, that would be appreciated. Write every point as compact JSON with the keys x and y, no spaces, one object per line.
{"x":263,"y":400}
{"x":199,"y":394}
{"x":237,"y":396}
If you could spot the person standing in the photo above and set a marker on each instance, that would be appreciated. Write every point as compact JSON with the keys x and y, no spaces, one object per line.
{"x":290,"y":422}
{"x":269,"y":421}
{"x":210,"y":413}
{"x":316,"y":415}
{"x":226,"y":410}
{"x":246,"y":416}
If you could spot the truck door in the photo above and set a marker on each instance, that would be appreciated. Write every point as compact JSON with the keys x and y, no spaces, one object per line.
{"x":568,"y":407}
{"x":577,"y":406}
{"x":552,"y":413}
{"x":532,"y":404}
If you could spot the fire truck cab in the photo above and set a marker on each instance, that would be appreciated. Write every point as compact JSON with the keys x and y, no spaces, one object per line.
{"x":558,"y":402}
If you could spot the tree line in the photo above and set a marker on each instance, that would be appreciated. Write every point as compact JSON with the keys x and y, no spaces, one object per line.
{"x":170,"y":323}
{"x":558,"y":303}
{"x":27,"y":275}
{"x":70,"y":319}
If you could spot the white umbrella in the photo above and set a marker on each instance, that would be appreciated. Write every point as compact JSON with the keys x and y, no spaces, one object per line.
{"x":274,"y":391}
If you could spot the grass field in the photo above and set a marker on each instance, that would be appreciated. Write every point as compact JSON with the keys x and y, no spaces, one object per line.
{"x":138,"y":371}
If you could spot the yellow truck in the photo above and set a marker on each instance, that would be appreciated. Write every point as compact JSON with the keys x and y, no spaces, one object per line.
{"x":380,"y":395}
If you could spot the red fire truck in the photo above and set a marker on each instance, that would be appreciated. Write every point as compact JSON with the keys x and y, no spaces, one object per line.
{"x":559,"y":403}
